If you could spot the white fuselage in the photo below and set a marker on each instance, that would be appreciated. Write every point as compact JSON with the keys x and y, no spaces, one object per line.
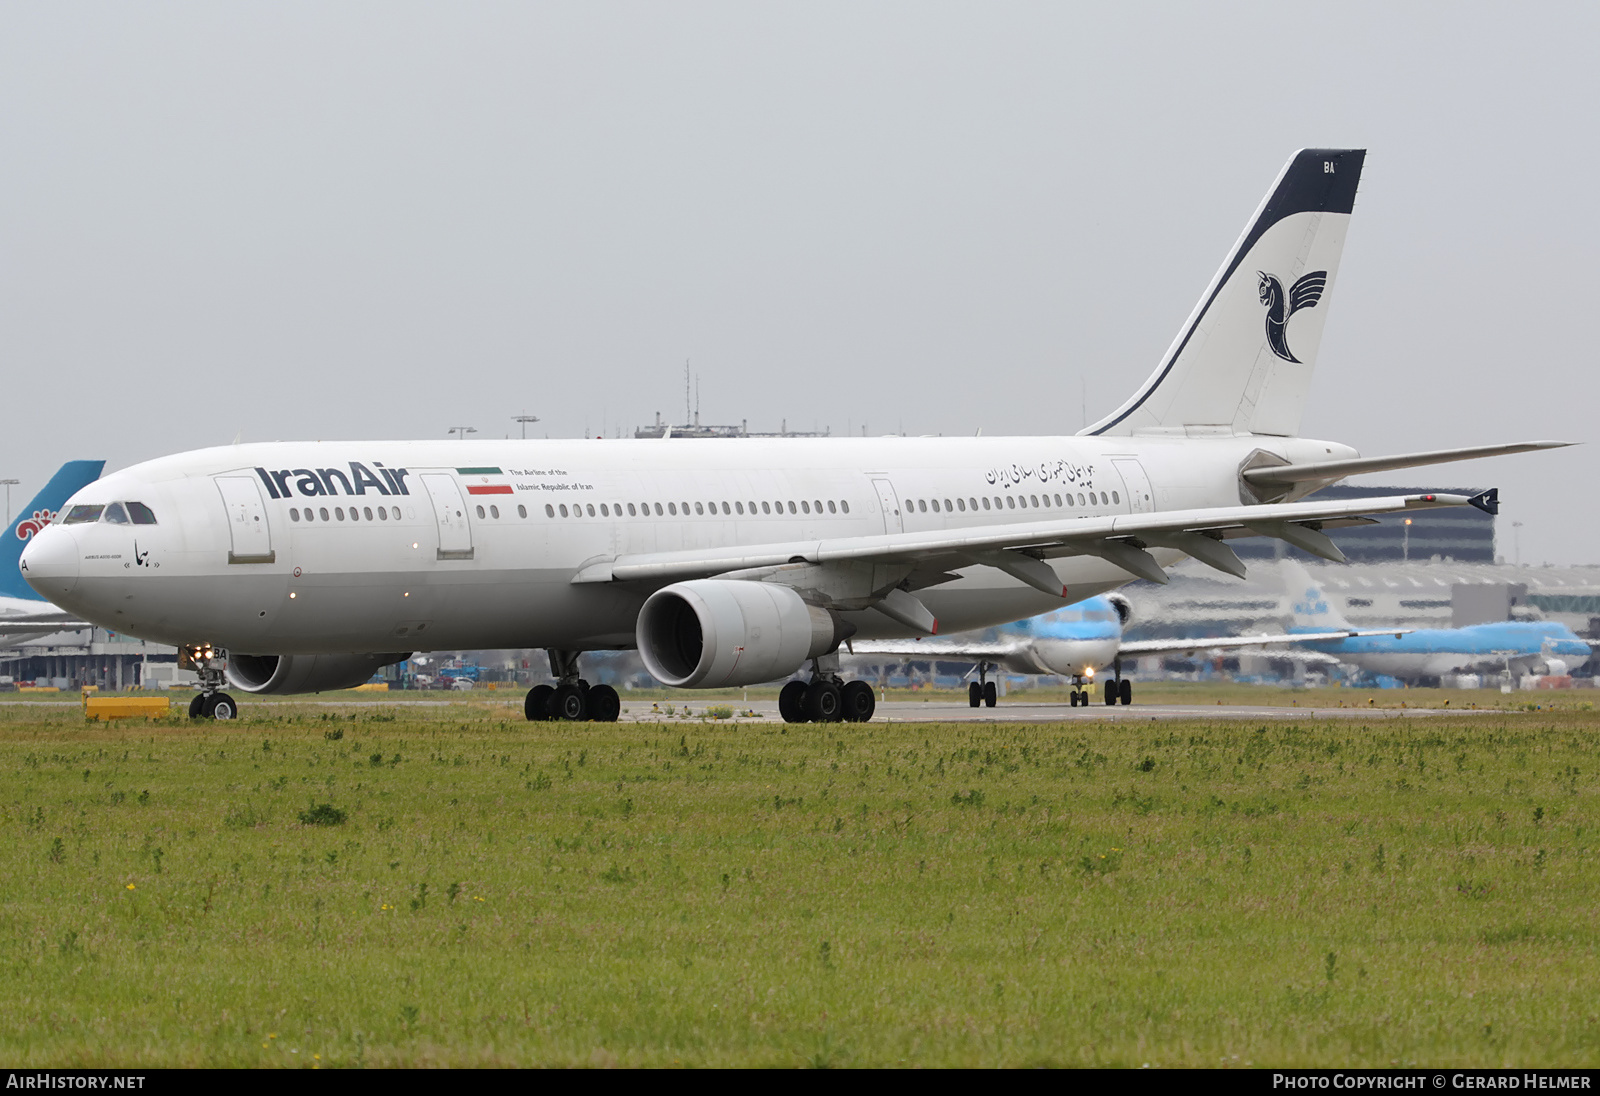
{"x":404,"y":546}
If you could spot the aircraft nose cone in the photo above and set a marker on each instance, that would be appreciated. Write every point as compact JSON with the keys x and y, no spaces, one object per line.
{"x":50,"y":562}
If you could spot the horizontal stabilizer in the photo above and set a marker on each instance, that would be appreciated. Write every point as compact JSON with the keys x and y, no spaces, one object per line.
{"x":1288,"y":474}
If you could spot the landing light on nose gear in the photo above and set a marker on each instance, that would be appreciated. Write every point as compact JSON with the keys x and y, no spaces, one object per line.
{"x":208,"y":663}
{"x":1118,"y":689}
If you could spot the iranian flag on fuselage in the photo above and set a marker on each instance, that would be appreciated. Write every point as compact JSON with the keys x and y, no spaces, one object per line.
{"x":484,"y":481}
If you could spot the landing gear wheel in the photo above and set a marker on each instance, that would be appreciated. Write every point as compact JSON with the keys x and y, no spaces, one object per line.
{"x":604,"y":704}
{"x":991,"y":697}
{"x":823,"y":703}
{"x":196,"y":704}
{"x":219,"y":706}
{"x":1125,"y":691}
{"x":859,"y":703}
{"x":791,"y":702}
{"x":537,"y":704}
{"x":974,"y":695}
{"x":1073,"y":696}
{"x":1111,"y":692}
{"x":568,"y":703}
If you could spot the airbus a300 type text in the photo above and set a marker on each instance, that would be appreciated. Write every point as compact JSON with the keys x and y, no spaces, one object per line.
{"x":292,"y":567}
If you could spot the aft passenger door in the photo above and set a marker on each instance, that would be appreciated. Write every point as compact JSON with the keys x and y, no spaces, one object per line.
{"x":890,"y":501}
{"x":250,"y":538}
{"x":450,"y":515}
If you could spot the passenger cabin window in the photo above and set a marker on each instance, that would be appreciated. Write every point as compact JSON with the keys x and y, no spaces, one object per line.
{"x":82,"y":515}
{"x":522,"y":511}
{"x":294,"y":513}
{"x":845,"y":506}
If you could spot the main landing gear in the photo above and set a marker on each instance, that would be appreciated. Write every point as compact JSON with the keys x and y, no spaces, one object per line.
{"x":571,"y":698}
{"x":208,"y":664}
{"x":982,"y":691}
{"x":825,"y":698}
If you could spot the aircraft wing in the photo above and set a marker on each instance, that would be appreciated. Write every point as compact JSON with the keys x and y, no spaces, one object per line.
{"x":45,"y":626}
{"x":1019,"y":547}
{"x":953,"y":649}
{"x":1213,"y":643}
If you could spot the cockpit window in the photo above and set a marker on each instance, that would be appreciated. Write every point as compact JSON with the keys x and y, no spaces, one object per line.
{"x":141,"y":514}
{"x":116,"y":514}
{"x":82,"y":514}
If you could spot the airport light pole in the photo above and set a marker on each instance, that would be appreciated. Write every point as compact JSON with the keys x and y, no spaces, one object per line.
{"x":8,"y":483}
{"x":463,"y":431}
{"x":525,"y":420}
{"x":1516,"y":541}
{"x":1405,"y":542}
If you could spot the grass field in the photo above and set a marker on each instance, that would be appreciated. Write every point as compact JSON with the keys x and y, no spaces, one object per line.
{"x":454,"y":886}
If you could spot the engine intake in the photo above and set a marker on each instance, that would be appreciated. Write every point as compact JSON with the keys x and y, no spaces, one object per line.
{"x":278,"y":674}
{"x":711,"y":633}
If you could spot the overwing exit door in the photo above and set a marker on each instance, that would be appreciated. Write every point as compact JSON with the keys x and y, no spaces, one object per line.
{"x":890,"y":501}
{"x":1140,"y":498}
{"x":450,"y":515}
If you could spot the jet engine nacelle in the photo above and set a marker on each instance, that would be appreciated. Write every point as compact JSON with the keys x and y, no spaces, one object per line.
{"x":304,"y":673}
{"x":1123,"y":606}
{"x":710,"y":633}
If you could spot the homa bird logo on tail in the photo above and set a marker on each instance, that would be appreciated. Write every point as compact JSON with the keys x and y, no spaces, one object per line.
{"x":1305,"y":293}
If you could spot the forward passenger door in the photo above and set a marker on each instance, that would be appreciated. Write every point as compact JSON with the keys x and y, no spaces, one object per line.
{"x":250,"y":538}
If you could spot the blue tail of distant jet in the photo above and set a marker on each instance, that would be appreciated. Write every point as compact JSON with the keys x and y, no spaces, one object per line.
{"x":45,"y":508}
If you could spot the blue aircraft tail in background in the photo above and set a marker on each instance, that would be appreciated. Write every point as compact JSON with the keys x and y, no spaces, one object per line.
{"x":45,"y":508}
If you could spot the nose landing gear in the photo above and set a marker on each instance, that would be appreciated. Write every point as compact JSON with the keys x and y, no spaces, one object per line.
{"x":571,"y":698}
{"x":208,"y":663}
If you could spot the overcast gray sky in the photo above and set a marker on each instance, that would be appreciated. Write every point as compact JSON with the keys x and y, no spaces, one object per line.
{"x":385,"y":219}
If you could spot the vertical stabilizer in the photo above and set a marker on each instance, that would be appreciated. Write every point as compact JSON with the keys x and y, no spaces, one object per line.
{"x":45,"y":508}
{"x":1310,"y":609}
{"x":1242,"y":362}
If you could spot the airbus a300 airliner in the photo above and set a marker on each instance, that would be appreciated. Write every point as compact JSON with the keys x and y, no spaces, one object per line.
{"x":298,"y":566}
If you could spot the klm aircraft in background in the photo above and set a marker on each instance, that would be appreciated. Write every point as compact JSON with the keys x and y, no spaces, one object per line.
{"x":22,"y":610}
{"x":1512,"y":647}
{"x":1076,"y":643}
